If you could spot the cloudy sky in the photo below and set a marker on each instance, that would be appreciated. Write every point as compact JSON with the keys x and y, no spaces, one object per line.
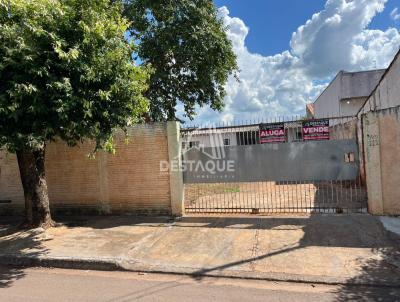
{"x":288,"y":50}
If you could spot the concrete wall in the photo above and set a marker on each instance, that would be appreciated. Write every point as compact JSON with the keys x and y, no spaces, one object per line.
{"x":360,"y":84}
{"x":380,"y":125}
{"x":346,"y":93}
{"x":300,"y":161}
{"x":344,"y":130}
{"x":382,"y":160}
{"x":350,"y":107}
{"x":328,"y":102}
{"x":387,"y":93}
{"x":128,"y":182}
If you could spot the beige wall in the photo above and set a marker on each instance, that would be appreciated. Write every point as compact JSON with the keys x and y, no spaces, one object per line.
{"x":345,"y":130}
{"x":128,"y":182}
{"x":382,"y":160}
{"x":381,"y":142}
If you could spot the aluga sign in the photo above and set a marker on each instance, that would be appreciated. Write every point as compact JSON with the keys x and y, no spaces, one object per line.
{"x":272,"y":133}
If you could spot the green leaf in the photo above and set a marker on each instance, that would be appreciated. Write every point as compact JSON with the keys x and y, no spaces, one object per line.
{"x":67,"y":72}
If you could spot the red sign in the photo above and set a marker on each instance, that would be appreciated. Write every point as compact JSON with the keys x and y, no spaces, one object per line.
{"x":316,"y":130}
{"x":272,"y":133}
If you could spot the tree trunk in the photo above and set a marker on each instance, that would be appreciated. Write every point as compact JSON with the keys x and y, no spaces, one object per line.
{"x":31,"y":168}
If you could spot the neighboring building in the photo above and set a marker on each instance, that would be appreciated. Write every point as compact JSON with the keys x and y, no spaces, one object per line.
{"x":236,"y":136}
{"x":310,"y":110}
{"x":230,"y":136}
{"x":386,"y":94}
{"x":345,"y":95}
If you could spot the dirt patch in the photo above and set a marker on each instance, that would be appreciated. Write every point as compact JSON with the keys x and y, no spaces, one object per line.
{"x":277,"y":197}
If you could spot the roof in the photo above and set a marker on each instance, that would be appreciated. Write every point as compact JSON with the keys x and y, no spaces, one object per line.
{"x":349,"y":88}
{"x":310,"y":108}
{"x":380,"y":81}
{"x":364,"y":71}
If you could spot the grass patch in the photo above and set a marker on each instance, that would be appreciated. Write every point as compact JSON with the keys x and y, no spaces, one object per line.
{"x":232,"y":190}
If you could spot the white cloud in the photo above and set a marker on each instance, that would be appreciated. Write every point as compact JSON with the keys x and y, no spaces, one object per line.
{"x":394,"y":14}
{"x":325,"y":43}
{"x":374,"y":48}
{"x":333,"y":39}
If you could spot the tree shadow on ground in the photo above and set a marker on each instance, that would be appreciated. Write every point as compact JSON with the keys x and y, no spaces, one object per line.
{"x":375,"y":271}
{"x":348,"y":231}
{"x":323,"y":230}
{"x":343,"y":196}
{"x":14,"y":244}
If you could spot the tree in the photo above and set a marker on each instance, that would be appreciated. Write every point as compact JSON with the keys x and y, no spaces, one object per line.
{"x":186,"y":44}
{"x":66,"y":72}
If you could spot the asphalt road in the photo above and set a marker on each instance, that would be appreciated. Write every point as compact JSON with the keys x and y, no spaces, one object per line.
{"x":73,"y":285}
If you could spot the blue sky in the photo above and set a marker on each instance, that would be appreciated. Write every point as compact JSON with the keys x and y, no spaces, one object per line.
{"x":289,"y":50}
{"x":270,"y":28}
{"x":272,"y":22}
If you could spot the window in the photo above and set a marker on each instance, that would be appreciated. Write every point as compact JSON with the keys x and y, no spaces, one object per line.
{"x":299,"y":135}
{"x":227,"y":142}
{"x":248,"y":138}
{"x":349,"y":157}
{"x":194,"y":144}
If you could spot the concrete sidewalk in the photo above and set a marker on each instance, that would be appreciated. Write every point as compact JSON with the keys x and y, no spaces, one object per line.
{"x":344,"y":249}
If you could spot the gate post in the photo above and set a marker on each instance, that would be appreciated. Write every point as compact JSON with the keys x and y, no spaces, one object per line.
{"x":372,"y":154}
{"x":175,"y":173}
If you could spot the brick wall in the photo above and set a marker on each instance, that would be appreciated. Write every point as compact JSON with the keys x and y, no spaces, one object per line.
{"x":127,"y":182}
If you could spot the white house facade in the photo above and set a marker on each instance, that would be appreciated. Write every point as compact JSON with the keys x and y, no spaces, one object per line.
{"x":346,"y":94}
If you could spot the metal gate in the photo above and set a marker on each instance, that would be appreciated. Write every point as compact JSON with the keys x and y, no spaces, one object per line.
{"x":280,"y":166}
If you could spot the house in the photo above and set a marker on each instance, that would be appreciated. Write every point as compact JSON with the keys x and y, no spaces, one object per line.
{"x":223,"y":136}
{"x":310,"y":110}
{"x":386,"y":94}
{"x":341,"y":100}
{"x":345,"y":95}
{"x":240,"y":135}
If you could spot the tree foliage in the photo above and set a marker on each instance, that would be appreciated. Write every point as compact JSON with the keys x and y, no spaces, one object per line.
{"x":66,"y":72}
{"x":186,"y":44}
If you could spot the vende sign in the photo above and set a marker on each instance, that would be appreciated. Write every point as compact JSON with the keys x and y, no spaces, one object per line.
{"x":272,"y":133}
{"x":316,"y":130}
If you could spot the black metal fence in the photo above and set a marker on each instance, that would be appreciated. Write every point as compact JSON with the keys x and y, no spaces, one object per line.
{"x":334,"y":186}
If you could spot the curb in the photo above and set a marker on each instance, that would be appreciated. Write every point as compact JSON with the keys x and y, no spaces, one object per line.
{"x":60,"y":262}
{"x":114,"y":264}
